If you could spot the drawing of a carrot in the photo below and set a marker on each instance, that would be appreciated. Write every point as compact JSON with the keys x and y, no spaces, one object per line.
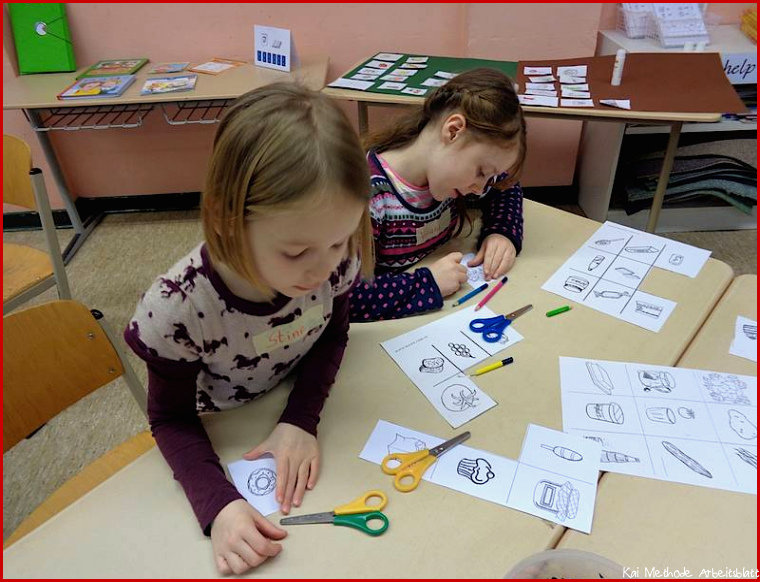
{"x":686,"y":459}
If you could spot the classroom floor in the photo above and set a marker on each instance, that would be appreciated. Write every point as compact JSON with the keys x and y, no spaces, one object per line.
{"x":114,"y":267}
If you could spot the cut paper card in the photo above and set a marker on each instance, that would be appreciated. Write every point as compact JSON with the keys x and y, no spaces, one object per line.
{"x":256,"y":481}
{"x":744,"y":343}
{"x":576,"y":102}
{"x":363,"y":77}
{"x":475,"y":276}
{"x":416,"y":66}
{"x":542,"y":79}
{"x":388,"y":56}
{"x":394,"y":78}
{"x":572,"y":80}
{"x":375,"y":64}
{"x":417,"y":60}
{"x":432,"y":82}
{"x":371,"y":71}
{"x":404,"y":72}
{"x":445,"y":75}
{"x":572,"y":71}
{"x":344,"y":83}
{"x":540,"y":86}
{"x":675,"y":424}
{"x":538,"y":101}
{"x":619,"y":103}
{"x":540,"y":92}
{"x":549,"y":489}
{"x":435,"y":356}
{"x":575,"y":86}
{"x":414,"y":91}
{"x":575,"y":94}
{"x":392,"y":85}
{"x":537,"y":71}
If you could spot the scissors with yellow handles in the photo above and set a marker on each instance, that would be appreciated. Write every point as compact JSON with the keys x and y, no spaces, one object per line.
{"x":358,"y":514}
{"x":410,"y":467}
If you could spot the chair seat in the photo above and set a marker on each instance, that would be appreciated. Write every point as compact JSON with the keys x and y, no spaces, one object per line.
{"x":23,"y":268}
{"x":89,"y":478}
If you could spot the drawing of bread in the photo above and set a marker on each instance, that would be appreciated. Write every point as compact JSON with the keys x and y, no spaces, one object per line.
{"x":431,"y":365}
{"x":686,"y":459}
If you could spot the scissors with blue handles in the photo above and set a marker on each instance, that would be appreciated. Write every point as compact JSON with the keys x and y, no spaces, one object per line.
{"x":358,"y":514}
{"x":410,"y":467}
{"x":493,"y":328}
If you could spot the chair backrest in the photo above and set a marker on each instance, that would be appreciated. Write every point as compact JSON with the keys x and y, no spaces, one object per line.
{"x":17,"y":162}
{"x":53,"y":355}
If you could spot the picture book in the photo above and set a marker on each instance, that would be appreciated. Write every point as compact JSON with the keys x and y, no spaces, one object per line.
{"x":114,"y":67}
{"x":97,"y":87}
{"x":216,"y":66}
{"x":166,"y":68}
{"x":159,"y":85}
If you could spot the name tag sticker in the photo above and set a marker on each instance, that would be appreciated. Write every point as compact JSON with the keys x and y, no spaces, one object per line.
{"x":288,"y":333}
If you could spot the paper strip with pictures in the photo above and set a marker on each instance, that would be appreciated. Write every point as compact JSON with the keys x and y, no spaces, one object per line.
{"x":675,"y":424}
{"x":606,"y":271}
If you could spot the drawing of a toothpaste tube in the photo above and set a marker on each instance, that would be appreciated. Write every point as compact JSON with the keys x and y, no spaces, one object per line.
{"x":615,"y":457}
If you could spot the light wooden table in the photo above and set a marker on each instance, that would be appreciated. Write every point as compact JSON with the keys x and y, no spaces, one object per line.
{"x":35,"y":95}
{"x":643,"y":523}
{"x":617,"y":118}
{"x":139,"y":524}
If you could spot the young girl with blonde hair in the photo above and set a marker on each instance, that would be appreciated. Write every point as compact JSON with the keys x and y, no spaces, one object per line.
{"x":467,"y":139}
{"x":285,"y":222}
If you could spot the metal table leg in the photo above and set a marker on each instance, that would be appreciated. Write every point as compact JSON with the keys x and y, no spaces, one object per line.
{"x":662,"y":181}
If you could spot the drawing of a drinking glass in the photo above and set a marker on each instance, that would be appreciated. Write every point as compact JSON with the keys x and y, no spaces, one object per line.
{"x":575,"y":284}
{"x":611,"y":412}
{"x":661,"y":414}
{"x":750,"y":331}
{"x":655,"y":380}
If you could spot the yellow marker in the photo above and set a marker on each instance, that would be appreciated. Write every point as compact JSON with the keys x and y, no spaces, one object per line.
{"x":494,"y":366}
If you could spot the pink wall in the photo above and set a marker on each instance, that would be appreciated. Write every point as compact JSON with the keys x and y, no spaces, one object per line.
{"x":158,"y":158}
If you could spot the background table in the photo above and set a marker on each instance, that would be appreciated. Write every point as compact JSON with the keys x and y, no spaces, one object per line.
{"x":139,"y":524}
{"x":647,"y":523}
{"x":35,"y":95}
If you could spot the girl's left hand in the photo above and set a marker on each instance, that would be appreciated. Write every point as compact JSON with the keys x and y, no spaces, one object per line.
{"x":296,"y":453}
{"x":497,"y":254}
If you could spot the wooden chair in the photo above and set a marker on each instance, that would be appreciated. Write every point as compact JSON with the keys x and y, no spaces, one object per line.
{"x":26,"y":271}
{"x":54,"y":354}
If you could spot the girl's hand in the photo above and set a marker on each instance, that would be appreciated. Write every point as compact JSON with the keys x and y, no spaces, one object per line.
{"x":297,"y":456}
{"x":241,"y":538}
{"x":497,"y":253}
{"x":449,"y":274}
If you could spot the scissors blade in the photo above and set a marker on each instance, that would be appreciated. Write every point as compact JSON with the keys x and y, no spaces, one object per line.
{"x":515,"y":314}
{"x":445,"y":446}
{"x":324,"y":517}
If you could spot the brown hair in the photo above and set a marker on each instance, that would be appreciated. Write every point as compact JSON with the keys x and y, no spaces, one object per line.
{"x":487,"y":100}
{"x":279,"y":146}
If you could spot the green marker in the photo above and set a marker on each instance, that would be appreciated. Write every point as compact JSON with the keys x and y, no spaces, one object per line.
{"x":557,"y":311}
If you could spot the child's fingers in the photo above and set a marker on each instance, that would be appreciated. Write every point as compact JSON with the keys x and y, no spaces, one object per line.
{"x":289,"y":488}
{"x":282,"y":479}
{"x":269,"y":529}
{"x":506,"y":263}
{"x":455,"y":256}
{"x":488,"y":262}
{"x":244,"y":549}
{"x":478,"y":258}
{"x":303,"y":477}
{"x":255,"y":453}
{"x":259,"y":548}
{"x":236,"y":563}
{"x":313,"y":473}
{"x":223,"y":566}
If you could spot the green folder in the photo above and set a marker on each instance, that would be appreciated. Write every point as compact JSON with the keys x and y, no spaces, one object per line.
{"x":42,"y":37}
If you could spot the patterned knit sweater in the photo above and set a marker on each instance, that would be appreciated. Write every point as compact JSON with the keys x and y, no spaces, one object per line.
{"x":408,"y":225}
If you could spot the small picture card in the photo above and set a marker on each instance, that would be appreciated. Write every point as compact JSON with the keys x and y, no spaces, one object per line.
{"x":393,"y":86}
{"x":445,"y":75}
{"x":540,"y":92}
{"x":388,"y":57}
{"x":573,"y":71}
{"x":371,"y":71}
{"x":385,"y":65}
{"x":343,"y":83}
{"x":577,"y":103}
{"x":537,"y":70}
{"x":363,"y":77}
{"x":417,"y":60}
{"x":404,"y":72}
{"x":540,"y":86}
{"x":394,"y":78}
{"x":619,"y":103}
{"x":273,"y":48}
{"x":432,"y":82}
{"x":256,"y":481}
{"x":575,"y":94}
{"x":408,"y":65}
{"x":166,"y":68}
{"x":538,"y":100}
{"x":571,"y":79}
{"x":414,"y":91}
{"x":216,"y":66}
{"x":542,"y":79}
{"x":575,"y":86}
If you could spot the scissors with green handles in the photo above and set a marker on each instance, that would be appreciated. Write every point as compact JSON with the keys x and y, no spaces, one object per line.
{"x":358,"y":514}
{"x":413,"y":465}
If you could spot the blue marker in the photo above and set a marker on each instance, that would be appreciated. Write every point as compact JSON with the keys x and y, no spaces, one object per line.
{"x":470,"y":295}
